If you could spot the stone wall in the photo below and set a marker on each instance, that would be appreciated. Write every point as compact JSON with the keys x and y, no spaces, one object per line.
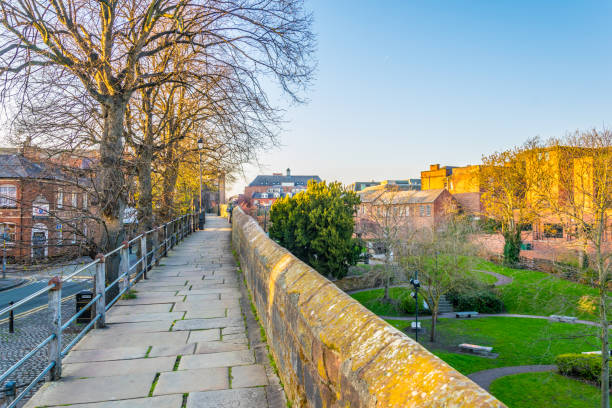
{"x":330,"y":350}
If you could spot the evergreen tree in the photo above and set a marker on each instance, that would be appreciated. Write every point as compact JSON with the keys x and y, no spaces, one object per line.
{"x":317,"y":226}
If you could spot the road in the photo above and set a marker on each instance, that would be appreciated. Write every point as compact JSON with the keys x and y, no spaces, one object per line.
{"x":81,"y":282}
{"x":68,"y":289}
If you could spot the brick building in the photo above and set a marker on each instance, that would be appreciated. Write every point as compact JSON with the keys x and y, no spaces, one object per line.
{"x":420,"y":209}
{"x":462,"y":182}
{"x":41,"y":209}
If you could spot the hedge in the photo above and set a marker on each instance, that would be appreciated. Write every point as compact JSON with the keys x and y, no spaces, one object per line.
{"x":584,"y":366}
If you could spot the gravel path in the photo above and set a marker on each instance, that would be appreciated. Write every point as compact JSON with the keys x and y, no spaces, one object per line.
{"x":501,"y":279}
{"x":486,"y":377}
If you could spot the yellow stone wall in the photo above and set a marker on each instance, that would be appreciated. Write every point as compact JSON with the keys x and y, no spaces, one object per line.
{"x":330,"y":350}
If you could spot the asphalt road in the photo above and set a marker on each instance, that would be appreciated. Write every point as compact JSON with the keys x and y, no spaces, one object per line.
{"x":68,"y":289}
{"x":83,"y":282}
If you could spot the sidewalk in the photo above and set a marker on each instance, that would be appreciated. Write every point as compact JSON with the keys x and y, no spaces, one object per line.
{"x":181,"y":342}
{"x":10,"y":283}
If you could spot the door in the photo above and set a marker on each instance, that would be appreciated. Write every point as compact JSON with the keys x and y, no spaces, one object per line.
{"x":39,"y":243}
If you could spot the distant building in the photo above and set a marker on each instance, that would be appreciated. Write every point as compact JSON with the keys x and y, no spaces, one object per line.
{"x":361,"y":185}
{"x":265,"y":189}
{"x":420,"y":209}
{"x":462,"y":182}
{"x":407,"y":184}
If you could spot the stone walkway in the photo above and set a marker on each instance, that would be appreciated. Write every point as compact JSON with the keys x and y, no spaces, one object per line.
{"x":486,"y":377}
{"x":182,"y":342}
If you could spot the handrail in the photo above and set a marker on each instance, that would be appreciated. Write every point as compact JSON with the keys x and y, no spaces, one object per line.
{"x":185,"y":227}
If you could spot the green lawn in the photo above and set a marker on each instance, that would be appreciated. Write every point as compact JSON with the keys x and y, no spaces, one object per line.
{"x":548,"y":390}
{"x":518,"y":341}
{"x":540,"y":293}
{"x":371,"y":299}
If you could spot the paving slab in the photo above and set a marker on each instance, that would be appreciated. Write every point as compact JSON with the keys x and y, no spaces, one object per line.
{"x":143,"y":317}
{"x":105,"y":354}
{"x":206,"y":347}
{"x":249,"y":376}
{"x":125,"y":367}
{"x":200,"y":324}
{"x":204,"y":335}
{"x":238,"y":398}
{"x":155,"y":308}
{"x":176,"y":382}
{"x":96,"y":340}
{"x":205,"y":313}
{"x":160,"y":351}
{"x":141,"y":327}
{"x":223,"y":359}
{"x":163,"y":401}
{"x":79,"y":391}
{"x":149,"y":300}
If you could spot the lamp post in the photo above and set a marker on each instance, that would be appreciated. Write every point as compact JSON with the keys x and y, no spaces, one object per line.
{"x":200,"y":213}
{"x":219,"y":194}
{"x":416,"y":285}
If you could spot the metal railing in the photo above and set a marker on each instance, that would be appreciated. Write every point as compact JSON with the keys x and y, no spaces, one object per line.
{"x":166,"y":237}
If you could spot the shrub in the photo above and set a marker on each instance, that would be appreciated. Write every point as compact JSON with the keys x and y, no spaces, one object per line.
{"x":584,"y":366}
{"x":472,"y":295}
{"x":407,"y":305}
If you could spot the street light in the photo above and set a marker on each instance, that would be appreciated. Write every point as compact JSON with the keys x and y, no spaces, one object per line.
{"x":416,"y":284}
{"x":200,"y":213}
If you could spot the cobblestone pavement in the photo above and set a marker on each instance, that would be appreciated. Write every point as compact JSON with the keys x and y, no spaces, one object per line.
{"x":29,"y":332}
{"x":184,"y":341}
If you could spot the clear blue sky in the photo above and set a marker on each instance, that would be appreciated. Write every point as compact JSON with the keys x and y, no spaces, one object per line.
{"x":402,"y":84}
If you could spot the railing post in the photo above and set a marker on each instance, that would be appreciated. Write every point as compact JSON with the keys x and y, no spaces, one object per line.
{"x":143,"y":251}
{"x":124,"y":266}
{"x":166,"y":239}
{"x":100,"y":286}
{"x":55,"y":345}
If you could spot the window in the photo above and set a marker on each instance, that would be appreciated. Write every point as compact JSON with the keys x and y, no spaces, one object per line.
{"x":422,"y":211}
{"x":8,"y":196}
{"x":85,"y":200}
{"x":59,"y":236}
{"x":75,"y":200}
{"x":74,"y":237}
{"x":428,"y":210}
{"x":7,"y":232}
{"x":60,"y":198}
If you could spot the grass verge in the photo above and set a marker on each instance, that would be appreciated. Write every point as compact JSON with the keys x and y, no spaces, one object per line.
{"x":548,"y":390}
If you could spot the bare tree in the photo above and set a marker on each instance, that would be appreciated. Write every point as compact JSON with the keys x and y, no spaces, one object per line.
{"x":102,"y":44}
{"x":442,"y":256}
{"x":386,"y":221}
{"x":575,"y":189}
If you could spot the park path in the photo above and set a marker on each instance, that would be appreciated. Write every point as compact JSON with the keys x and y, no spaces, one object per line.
{"x":501,"y":279}
{"x":484,"y":378}
{"x":182,"y":342}
{"x":453,"y":315}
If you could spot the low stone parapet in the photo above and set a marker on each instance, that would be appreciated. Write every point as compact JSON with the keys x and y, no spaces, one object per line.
{"x":330,"y":350}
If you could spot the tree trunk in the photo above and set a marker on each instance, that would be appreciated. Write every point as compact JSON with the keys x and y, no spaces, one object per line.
{"x":434,"y":321}
{"x":111,"y":181}
{"x":605,"y":344}
{"x":512,"y":246}
{"x":387,"y":281}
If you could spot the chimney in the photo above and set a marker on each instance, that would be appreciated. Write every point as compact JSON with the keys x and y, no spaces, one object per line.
{"x":288,"y":172}
{"x":434,"y":167}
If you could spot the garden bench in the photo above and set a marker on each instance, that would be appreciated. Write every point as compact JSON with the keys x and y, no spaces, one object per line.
{"x":465,"y":314}
{"x":414,"y":326}
{"x":473,"y":348}
{"x":564,"y":319}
